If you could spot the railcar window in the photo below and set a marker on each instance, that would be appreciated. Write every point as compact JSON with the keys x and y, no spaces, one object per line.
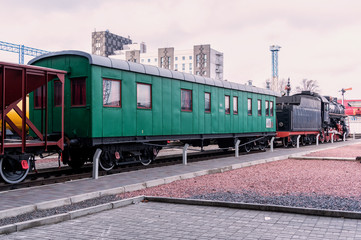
{"x":235,"y":105}
{"x":267,"y":108}
{"x":271,"y":108}
{"x":78,"y":92}
{"x":249,"y":103}
{"x":144,"y":96}
{"x":111,"y":93}
{"x":57,"y":93}
{"x":39,"y":97}
{"x":207,"y":102}
{"x":186,"y":100}
{"x":227,"y":104}
{"x":259,"y":107}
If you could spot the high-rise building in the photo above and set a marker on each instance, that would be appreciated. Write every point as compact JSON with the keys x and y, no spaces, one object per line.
{"x":105,"y":43}
{"x":201,"y":60}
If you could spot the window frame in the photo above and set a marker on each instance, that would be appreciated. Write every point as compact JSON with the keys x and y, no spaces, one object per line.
{"x":225,"y":104}
{"x":259,"y":107}
{"x":150,"y":89}
{"x":210,"y":102}
{"x":120,"y":93}
{"x":267,"y":108}
{"x":249,"y":107}
{"x":56,"y":82}
{"x":37,"y":94}
{"x":191,"y":100}
{"x":271,"y":108}
{"x":235,"y":100}
{"x":71,"y":92}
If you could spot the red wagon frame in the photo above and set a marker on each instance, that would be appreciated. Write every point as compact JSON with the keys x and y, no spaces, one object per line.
{"x":16,"y":81}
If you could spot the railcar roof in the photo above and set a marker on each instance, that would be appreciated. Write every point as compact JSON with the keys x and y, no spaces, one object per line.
{"x":156,"y":71}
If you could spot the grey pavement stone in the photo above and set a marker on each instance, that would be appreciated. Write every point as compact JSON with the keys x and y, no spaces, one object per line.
{"x":171,"y":221}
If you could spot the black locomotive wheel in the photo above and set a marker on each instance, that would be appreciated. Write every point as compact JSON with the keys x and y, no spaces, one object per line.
{"x":285,"y":142}
{"x":322,"y":138}
{"x":303,"y":141}
{"x":12,"y":173}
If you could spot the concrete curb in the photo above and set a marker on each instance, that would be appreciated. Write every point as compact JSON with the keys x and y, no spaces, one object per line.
{"x":324,"y":158}
{"x":68,"y":216}
{"x":260,"y":207}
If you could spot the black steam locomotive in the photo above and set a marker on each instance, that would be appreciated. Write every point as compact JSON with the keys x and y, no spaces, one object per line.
{"x":310,"y":116}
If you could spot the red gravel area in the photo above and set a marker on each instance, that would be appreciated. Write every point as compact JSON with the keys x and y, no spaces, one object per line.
{"x":347,"y":151}
{"x":336,"y":178}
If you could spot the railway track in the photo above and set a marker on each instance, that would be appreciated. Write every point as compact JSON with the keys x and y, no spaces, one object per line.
{"x":64,"y":174}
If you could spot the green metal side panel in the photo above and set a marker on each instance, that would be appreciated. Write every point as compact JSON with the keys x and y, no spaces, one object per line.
{"x":144,"y":117}
{"x":157,"y":109}
{"x":262,"y":119}
{"x":110,"y":118}
{"x":196,"y":108}
{"x":129,"y":103}
{"x":200,"y":104}
{"x":77,"y":119}
{"x":220,"y":112}
{"x":235,"y":122}
{"x":186,"y":117}
{"x":166,"y":106}
{"x":215,"y":106}
{"x":228,"y":117}
{"x":176,"y":108}
{"x":249,"y":118}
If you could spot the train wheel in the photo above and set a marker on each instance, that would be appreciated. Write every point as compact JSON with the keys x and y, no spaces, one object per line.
{"x":13,"y":172}
{"x":303,"y":141}
{"x":247,"y":148}
{"x":262,"y":146}
{"x":106,"y":163}
{"x":322,"y":138}
{"x":76,"y":160}
{"x":145,"y":160}
{"x":285,"y":142}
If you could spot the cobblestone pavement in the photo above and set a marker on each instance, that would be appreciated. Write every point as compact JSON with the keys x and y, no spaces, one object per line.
{"x":171,"y":221}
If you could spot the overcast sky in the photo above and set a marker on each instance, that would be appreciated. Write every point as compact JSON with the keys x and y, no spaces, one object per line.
{"x":320,"y":39}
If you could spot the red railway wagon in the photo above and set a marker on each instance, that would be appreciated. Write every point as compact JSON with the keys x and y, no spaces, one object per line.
{"x":352,"y":107}
{"x":17,"y":153}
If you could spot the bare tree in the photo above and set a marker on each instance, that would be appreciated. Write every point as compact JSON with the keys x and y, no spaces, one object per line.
{"x":308,"y":85}
{"x":281,"y":85}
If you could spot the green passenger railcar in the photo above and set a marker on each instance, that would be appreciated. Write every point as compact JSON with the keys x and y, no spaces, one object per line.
{"x":130,"y":110}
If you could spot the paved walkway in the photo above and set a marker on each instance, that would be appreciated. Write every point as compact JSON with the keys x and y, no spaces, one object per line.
{"x":172,"y":221}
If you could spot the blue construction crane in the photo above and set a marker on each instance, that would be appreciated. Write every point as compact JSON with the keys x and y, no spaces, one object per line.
{"x":21,"y":50}
{"x":274,"y":49}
